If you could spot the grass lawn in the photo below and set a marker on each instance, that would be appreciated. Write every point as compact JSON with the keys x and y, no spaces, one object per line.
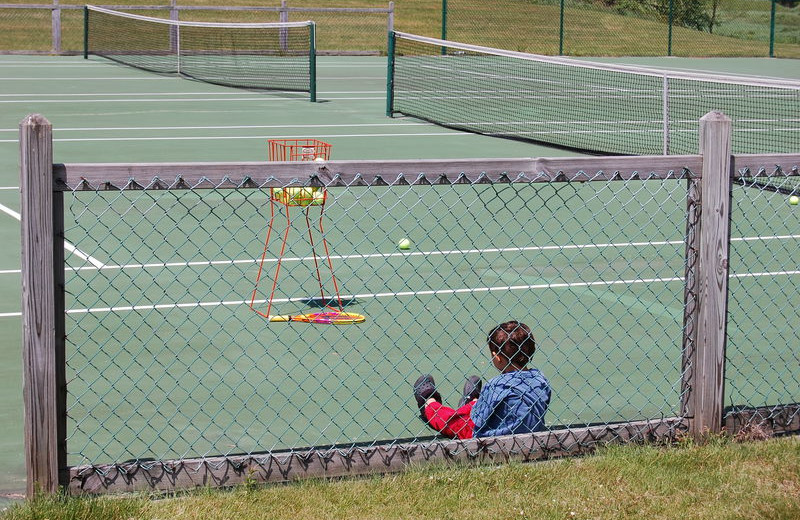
{"x":741,"y":27}
{"x":721,"y":479}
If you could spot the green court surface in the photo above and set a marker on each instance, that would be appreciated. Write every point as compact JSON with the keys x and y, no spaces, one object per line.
{"x":107,"y":113}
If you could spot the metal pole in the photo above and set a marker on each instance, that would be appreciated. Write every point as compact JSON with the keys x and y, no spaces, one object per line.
{"x":669,"y":26}
{"x":390,"y":75}
{"x":772,"y":30}
{"x":85,"y":33}
{"x":312,"y":63}
{"x":561,"y":30}
{"x":444,"y":24}
{"x":665,"y":112}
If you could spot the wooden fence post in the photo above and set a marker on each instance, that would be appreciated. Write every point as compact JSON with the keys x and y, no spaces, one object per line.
{"x":56,"y":27}
{"x":42,"y":310}
{"x":174,"y":45}
{"x":704,"y":364}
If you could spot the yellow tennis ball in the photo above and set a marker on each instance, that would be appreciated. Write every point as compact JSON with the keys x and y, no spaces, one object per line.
{"x":299,"y":196}
{"x":793,"y":200}
{"x":318,"y":199}
{"x":404,"y":243}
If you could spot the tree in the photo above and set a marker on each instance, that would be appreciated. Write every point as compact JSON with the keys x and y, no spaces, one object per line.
{"x":693,"y":14}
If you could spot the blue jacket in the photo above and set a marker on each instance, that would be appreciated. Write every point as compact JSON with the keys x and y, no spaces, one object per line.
{"x":514,"y":402}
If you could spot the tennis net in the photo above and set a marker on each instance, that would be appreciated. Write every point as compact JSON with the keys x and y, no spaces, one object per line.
{"x":584,"y":105}
{"x":270,"y":56}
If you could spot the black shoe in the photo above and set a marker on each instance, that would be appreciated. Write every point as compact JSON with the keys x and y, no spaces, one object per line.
{"x":424,"y":389}
{"x":472,"y":389}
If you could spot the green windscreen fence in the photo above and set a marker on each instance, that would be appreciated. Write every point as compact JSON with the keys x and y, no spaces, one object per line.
{"x":584,"y":105}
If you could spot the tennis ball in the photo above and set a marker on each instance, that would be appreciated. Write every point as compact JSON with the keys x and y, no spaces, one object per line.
{"x":793,"y":200}
{"x":319,"y":197}
{"x":299,"y":196}
{"x":320,"y":159}
{"x":404,"y":243}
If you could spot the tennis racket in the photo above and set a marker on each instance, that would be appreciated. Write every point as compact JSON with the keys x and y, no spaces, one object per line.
{"x":330,"y":318}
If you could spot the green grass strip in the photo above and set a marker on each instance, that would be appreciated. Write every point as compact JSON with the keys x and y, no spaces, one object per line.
{"x":720,"y":479}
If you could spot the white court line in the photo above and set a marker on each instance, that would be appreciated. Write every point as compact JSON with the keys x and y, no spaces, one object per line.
{"x":202,"y":263}
{"x":86,"y":78}
{"x":227,"y":127}
{"x":57,"y":97}
{"x":436,"y":292}
{"x":100,"y":65}
{"x":69,"y":247}
{"x":330,"y":95}
{"x":463,"y":252}
{"x":444,"y":133}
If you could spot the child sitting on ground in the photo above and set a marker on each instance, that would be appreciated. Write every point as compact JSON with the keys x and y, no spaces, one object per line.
{"x":513,"y":402}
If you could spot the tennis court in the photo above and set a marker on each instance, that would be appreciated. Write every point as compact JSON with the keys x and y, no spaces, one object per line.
{"x":437,"y":295}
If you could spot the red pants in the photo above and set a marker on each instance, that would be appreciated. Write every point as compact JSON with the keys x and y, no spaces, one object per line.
{"x":455,"y":424}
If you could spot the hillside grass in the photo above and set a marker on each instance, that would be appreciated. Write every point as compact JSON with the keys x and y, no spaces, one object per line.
{"x":742,"y":27}
{"x":720,"y":479}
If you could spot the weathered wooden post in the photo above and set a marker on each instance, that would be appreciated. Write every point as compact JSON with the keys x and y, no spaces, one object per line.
{"x":44,"y":387}
{"x":707,"y":302}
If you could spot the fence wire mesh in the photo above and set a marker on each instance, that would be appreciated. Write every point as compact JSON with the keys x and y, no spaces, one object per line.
{"x":763,"y":307}
{"x":166,"y":361}
{"x":674,"y":27}
{"x":353,"y":28}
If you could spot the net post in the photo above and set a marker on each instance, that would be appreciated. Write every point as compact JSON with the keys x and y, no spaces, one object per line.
{"x":312,"y":63}
{"x":390,"y":75}
{"x":43,"y":336}
{"x":390,"y":17}
{"x":706,"y":376}
{"x":85,"y":32}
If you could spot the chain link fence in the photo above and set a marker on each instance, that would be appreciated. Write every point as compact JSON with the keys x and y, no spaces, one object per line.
{"x":163,"y":361}
{"x":569,"y":27}
{"x":171,"y":380}
{"x":627,"y":28}
{"x":761,"y":354}
{"x":341,"y":29}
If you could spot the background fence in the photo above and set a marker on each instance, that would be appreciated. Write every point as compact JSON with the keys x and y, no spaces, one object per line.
{"x":58,"y":28}
{"x":628,"y":27}
{"x":570,"y":27}
{"x":662,"y":295}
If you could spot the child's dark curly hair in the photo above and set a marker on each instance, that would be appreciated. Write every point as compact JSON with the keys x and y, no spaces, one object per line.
{"x":512,"y":340}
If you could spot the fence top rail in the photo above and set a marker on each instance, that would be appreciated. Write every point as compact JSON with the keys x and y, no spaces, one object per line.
{"x":389,"y":9}
{"x":101,"y":176}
